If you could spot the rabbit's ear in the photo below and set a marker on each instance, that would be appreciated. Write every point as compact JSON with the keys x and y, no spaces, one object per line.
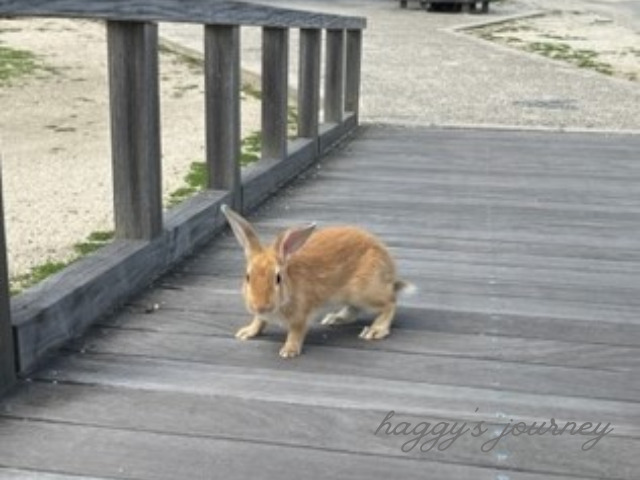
{"x":290,"y":241}
{"x":243,"y":231}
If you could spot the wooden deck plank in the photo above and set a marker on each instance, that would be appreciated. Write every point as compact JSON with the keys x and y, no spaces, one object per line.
{"x":134,"y":455}
{"x":16,"y":474}
{"x":587,"y":382}
{"x":225,"y":321}
{"x":526,"y":248}
{"x":90,"y":403}
{"x":597,"y":356}
{"x":490,"y":296}
{"x":308,"y":427}
{"x":561,"y":284}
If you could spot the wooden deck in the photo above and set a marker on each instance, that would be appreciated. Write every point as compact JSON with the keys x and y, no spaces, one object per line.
{"x":526,"y":250}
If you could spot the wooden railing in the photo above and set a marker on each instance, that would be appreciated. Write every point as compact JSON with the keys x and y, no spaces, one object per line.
{"x":148,"y":240}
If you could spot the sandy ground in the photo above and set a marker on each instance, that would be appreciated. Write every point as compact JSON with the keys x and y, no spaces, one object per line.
{"x":588,"y":39}
{"x":54,"y":137}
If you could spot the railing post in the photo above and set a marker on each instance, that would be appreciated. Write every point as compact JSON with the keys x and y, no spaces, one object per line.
{"x":7,"y":359}
{"x":222,"y":86}
{"x":334,"y":77}
{"x":354,"y":61}
{"x":275,"y":65}
{"x":135,"y":128}
{"x":309,"y":83}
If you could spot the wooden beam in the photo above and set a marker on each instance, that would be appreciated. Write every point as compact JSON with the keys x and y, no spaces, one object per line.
{"x":65,"y":304}
{"x":7,"y":359}
{"x":220,"y":12}
{"x":309,"y":83}
{"x":275,"y":66}
{"x":334,"y":77}
{"x":353,"y":65}
{"x":222,"y":86}
{"x":135,"y":129}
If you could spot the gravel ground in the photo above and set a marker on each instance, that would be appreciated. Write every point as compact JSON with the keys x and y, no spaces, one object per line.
{"x":421,"y":68}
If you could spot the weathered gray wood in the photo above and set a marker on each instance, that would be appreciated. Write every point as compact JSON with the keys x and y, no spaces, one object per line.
{"x":527,"y":309}
{"x":448,"y":334}
{"x":221,"y":12}
{"x":516,"y":376}
{"x":264,"y":179}
{"x":331,"y":135}
{"x":222,"y":82}
{"x":275,"y":85}
{"x":23,"y":474}
{"x":322,"y":390}
{"x":353,"y":66}
{"x":309,"y":426}
{"x":309,"y":83}
{"x":65,"y":304}
{"x":135,"y":129}
{"x":7,"y":359}
{"x":118,"y":453}
{"x":325,"y":389}
{"x":334,"y":76}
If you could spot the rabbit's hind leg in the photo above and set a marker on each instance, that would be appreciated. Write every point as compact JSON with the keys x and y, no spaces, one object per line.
{"x":381,"y":325}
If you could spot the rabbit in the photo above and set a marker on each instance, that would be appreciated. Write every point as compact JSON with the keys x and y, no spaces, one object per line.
{"x":306,"y":269}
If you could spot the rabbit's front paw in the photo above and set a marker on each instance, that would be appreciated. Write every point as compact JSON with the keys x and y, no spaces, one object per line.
{"x":289,"y":351}
{"x":248,"y":332}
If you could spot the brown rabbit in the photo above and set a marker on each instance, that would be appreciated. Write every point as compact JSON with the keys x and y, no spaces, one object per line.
{"x":304,"y":270}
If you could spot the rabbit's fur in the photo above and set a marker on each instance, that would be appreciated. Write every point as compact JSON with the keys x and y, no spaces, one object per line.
{"x":306,"y":269}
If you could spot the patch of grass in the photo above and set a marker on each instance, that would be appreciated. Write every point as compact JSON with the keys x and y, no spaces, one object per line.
{"x":103,"y":236}
{"x":250,"y":91}
{"x":563,"y":51}
{"x":251,"y":146}
{"x":94,"y":241}
{"x":511,"y":28}
{"x":16,"y":63}
{"x":181,"y":194}
{"x":35,"y":275}
{"x":194,"y":63}
{"x":292,"y":118}
{"x":196,"y":178}
{"x":486,"y":35}
{"x":40,"y":272}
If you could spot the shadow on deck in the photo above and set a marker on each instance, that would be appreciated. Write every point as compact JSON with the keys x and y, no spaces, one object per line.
{"x":526,"y":250}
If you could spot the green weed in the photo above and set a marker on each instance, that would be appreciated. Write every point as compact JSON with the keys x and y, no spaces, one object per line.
{"x":15,"y":63}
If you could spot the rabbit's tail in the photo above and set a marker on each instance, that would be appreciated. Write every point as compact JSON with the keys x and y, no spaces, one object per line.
{"x":404,"y":288}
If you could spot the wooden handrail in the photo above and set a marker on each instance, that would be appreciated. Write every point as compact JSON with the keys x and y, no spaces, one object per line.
{"x":148,"y":240}
{"x":210,"y":12}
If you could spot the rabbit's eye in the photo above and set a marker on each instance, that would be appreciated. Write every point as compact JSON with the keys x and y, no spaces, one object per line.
{"x":247,"y":277}
{"x":278,"y":278}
